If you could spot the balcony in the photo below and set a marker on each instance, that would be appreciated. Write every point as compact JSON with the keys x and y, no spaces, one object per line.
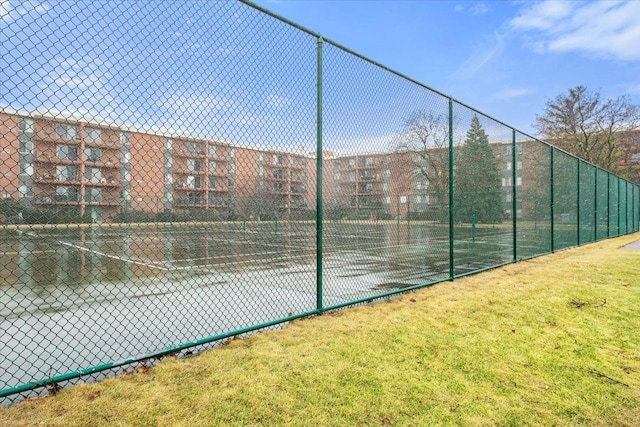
{"x":193,"y":154}
{"x":57,"y":199}
{"x":46,"y":135}
{"x":182,"y":186}
{"x":185,"y":171}
{"x":102,"y":163}
{"x":104,"y":182}
{"x":190,"y":203}
{"x":103,"y":201}
{"x":48,"y":178}
{"x":40,"y":158}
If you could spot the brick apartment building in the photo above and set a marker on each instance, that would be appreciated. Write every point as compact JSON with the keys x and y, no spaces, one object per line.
{"x":101,"y":170}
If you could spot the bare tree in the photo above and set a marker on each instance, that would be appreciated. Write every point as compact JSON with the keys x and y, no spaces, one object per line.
{"x":424,"y":141}
{"x":582,"y":123}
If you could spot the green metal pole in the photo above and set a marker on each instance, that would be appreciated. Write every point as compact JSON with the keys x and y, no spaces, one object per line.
{"x":451,"y":205}
{"x":473,"y":228}
{"x":514,"y":159}
{"x":553,"y":246}
{"x":319,"y":213}
{"x":595,"y":206}
{"x":618,"y":210}
{"x":578,"y":203}
{"x":608,"y":204}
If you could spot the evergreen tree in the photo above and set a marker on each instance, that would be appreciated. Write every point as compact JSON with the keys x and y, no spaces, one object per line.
{"x":477,"y":187}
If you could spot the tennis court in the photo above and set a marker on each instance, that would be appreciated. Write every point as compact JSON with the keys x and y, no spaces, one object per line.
{"x":76,"y":297}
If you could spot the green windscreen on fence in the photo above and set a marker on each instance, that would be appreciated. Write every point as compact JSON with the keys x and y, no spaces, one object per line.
{"x":533,"y":194}
{"x":614,"y":212}
{"x":586,"y":204}
{"x":602,"y":204}
{"x":175,"y":174}
{"x":565,"y":204}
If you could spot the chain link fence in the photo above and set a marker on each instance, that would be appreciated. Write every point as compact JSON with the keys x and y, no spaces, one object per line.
{"x":174,"y":174}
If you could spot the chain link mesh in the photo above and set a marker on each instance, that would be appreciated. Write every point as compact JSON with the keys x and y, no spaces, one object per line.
{"x":160,"y":186}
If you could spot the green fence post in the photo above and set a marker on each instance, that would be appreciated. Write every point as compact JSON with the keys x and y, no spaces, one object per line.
{"x":514,"y":175}
{"x":473,"y":228}
{"x":595,"y":204}
{"x":451,"y":205}
{"x":553,"y":246}
{"x":618,"y":211}
{"x":319,"y":213}
{"x":578,"y":202}
{"x":608,"y":204}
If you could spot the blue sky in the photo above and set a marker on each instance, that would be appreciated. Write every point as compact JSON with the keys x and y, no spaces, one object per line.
{"x":503,"y":58}
{"x":224,"y":70}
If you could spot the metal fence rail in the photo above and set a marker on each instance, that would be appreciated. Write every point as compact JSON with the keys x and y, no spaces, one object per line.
{"x":177,"y":173}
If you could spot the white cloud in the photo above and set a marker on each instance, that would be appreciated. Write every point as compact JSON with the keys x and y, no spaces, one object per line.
{"x":632,"y":88}
{"x":478,"y":9}
{"x":481,"y":55}
{"x":458,"y":8}
{"x":511,"y":93}
{"x":10,"y":10}
{"x":604,"y":29}
{"x":277,"y":101}
{"x":5,"y":9}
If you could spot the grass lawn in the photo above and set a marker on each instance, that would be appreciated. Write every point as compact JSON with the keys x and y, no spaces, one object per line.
{"x":549,"y":341}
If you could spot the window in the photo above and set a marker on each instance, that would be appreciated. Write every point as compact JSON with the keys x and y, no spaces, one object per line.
{"x":66,"y":152}
{"x":93,"y":175}
{"x":212,"y":150}
{"x":92,"y":135}
{"x":230,"y":183}
{"x":66,"y":194}
{"x":92,"y":154}
{"x":193,"y":165}
{"x":518,"y":165}
{"x":337,"y":176}
{"x":23,"y":190}
{"x":26,"y":143}
{"x":212,"y":183}
{"x":125,"y":138}
{"x":26,"y":125}
{"x":504,"y":182}
{"x":193,"y":181}
{"x":194,"y":198}
{"x":26,"y":169}
{"x":368,"y":161}
{"x":519,"y":180}
{"x":168,"y":144}
{"x":67,"y":173}
{"x":352,"y":176}
{"x":508,"y":166}
{"x":66,"y":132}
{"x":352,"y":162}
{"x":93,"y":195}
{"x":212,"y":167}
{"x":194,"y":148}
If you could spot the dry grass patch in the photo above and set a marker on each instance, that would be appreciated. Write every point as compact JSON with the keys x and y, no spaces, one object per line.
{"x":550,"y":341}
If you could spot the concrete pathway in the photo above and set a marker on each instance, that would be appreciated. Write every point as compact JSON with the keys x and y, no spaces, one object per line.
{"x":635,"y":246}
